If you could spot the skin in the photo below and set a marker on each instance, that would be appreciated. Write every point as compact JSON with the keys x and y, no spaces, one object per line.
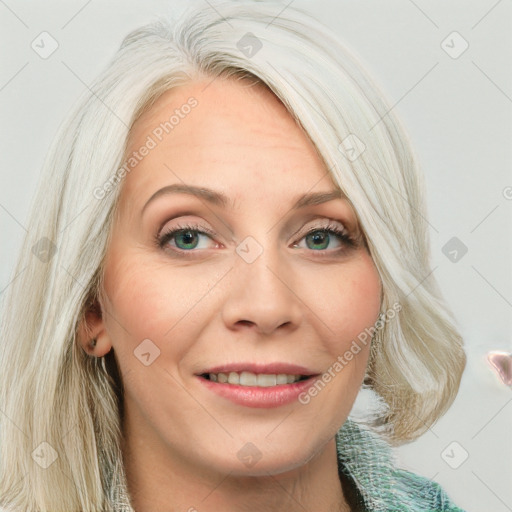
{"x":295,"y":303}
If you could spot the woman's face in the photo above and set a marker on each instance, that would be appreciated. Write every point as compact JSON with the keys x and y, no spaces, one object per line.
{"x":243,"y":288}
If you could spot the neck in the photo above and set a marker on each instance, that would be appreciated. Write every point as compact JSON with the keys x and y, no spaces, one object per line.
{"x":159,"y":481}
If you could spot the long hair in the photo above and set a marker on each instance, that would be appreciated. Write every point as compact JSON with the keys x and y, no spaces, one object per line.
{"x":60,"y":409}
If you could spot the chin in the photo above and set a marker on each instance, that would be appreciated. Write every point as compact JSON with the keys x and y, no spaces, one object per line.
{"x":270,"y":465}
{"x":262,"y":457}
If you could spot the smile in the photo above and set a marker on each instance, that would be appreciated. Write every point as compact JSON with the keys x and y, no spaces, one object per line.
{"x":258,"y":388}
{"x":263,"y":380}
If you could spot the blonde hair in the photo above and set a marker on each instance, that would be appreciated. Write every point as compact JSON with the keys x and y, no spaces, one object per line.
{"x":53,"y":392}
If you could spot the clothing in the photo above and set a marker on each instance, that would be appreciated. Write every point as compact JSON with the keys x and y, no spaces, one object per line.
{"x":370,"y":481}
{"x":376,"y":484}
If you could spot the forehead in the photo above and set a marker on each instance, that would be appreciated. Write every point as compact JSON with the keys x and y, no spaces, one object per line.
{"x":223,"y":107}
{"x":237,"y":138}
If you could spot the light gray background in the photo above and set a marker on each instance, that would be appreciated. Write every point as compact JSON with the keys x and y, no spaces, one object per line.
{"x":458,"y":113}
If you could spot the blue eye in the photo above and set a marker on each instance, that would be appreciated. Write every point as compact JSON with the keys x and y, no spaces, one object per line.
{"x":322,"y":236}
{"x":186,"y":238}
{"x":190,"y":238}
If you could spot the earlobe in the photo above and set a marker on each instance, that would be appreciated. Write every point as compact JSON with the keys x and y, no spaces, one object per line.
{"x":92,"y":334}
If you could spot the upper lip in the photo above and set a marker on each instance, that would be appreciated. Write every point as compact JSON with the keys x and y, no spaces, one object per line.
{"x":268,"y":368}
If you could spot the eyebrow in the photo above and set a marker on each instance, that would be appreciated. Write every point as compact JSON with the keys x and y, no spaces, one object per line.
{"x":219,"y":199}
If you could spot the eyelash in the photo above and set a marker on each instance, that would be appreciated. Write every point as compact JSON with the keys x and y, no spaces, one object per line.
{"x":345,"y":238}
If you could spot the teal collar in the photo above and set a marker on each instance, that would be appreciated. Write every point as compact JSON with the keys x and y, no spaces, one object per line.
{"x":366,"y":463}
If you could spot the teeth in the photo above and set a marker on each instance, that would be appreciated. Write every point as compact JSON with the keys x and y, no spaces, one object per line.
{"x":234,"y":378}
{"x":262,"y":380}
{"x":248,"y":379}
{"x":266,"y":381}
{"x":282,"y":379}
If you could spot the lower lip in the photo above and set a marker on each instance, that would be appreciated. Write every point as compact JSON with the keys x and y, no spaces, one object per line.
{"x":259,"y":397}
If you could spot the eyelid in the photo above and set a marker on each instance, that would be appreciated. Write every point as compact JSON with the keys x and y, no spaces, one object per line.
{"x":323,"y":222}
{"x":182,"y":221}
{"x":181,"y":217}
{"x":185,"y":224}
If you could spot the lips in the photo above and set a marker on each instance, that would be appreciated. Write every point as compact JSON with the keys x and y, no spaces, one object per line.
{"x":260,"y":375}
{"x":258,"y":385}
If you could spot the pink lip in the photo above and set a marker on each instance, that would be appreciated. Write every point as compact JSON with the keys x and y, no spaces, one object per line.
{"x":252,"y":396}
{"x":269,"y":369}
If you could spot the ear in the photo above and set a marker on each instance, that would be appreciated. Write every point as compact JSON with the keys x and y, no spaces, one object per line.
{"x":91,"y":332}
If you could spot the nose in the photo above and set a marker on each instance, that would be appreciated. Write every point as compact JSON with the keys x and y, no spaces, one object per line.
{"x":263,"y":296}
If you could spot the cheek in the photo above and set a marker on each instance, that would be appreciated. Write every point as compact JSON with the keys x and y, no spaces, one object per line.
{"x":145,"y":302}
{"x":148,"y":300}
{"x":134,"y":300}
{"x":352,"y":303}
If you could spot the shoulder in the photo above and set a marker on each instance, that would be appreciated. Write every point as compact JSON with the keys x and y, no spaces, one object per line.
{"x":369,"y":461}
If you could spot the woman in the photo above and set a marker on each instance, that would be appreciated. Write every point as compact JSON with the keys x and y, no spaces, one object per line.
{"x":228,"y":242}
